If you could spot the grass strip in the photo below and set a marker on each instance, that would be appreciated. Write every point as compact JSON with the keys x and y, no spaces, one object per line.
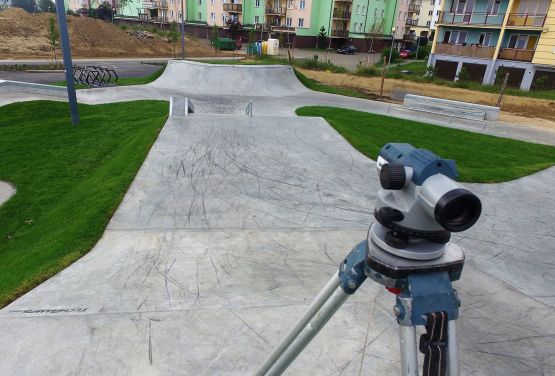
{"x":69,"y":181}
{"x":480,"y":158}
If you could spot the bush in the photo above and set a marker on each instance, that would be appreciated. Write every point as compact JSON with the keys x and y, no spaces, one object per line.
{"x":315,"y":64}
{"x":124,"y":27}
{"x":366,"y":70}
{"x":463,"y":78}
{"x":423,"y":52}
{"x":394,"y":55}
{"x":431,"y":72}
{"x":70,"y":12}
{"x":500,"y":75}
{"x":542,"y":83}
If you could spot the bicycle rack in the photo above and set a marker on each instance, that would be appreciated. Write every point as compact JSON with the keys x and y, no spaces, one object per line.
{"x":94,"y":76}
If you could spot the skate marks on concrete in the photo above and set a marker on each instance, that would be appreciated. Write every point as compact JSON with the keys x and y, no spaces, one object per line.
{"x":240,"y":172}
{"x":6,"y":191}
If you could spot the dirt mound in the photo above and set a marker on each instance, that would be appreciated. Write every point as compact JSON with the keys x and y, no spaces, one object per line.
{"x":25,"y":35}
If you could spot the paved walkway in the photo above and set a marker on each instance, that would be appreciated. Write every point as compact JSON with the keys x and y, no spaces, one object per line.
{"x":231,"y":227}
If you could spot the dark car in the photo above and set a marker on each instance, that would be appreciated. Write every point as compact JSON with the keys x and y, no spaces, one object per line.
{"x":347,"y":50}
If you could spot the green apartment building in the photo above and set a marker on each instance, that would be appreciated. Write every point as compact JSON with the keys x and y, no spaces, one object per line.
{"x":364,"y":23}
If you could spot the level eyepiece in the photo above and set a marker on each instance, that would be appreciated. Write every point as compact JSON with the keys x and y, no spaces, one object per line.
{"x":458,"y":210}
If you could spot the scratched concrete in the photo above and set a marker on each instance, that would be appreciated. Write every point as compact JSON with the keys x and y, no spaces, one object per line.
{"x":231,"y":227}
{"x":6,"y":191}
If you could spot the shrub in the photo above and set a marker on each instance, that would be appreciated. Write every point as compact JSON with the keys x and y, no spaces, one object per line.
{"x":464,"y":77}
{"x":431,"y":72}
{"x":542,"y":83}
{"x":366,"y":70}
{"x":394,"y":55}
{"x":315,"y":64}
{"x":500,"y":75}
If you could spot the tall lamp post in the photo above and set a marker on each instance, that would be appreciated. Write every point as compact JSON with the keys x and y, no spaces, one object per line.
{"x":68,"y":64}
{"x":391,"y":49}
{"x":182,"y":31}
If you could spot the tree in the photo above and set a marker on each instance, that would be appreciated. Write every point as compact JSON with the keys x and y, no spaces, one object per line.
{"x":373,"y":32}
{"x":173,"y":36}
{"x":215,"y":36}
{"x":234,"y":27}
{"x":53,"y":39}
{"x":28,"y":5}
{"x":104,"y":11}
{"x":47,"y":6}
{"x":321,"y":38}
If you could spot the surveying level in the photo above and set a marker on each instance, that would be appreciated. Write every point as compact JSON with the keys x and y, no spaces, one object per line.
{"x":418,"y":205}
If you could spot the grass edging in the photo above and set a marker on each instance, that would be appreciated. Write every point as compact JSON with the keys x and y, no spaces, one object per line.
{"x":480,"y":158}
{"x":70,"y":180}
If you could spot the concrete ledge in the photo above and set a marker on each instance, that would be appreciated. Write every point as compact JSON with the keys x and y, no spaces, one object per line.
{"x":181,"y":107}
{"x":448,"y":107}
{"x":32,"y":88}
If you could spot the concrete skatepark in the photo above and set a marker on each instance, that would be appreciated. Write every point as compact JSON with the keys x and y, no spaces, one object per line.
{"x":234,"y":223}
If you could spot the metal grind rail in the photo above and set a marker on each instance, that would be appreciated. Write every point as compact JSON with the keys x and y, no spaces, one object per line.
{"x":94,"y":76}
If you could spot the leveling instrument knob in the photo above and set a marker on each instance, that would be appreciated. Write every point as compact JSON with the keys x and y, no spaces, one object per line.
{"x":393,"y":176}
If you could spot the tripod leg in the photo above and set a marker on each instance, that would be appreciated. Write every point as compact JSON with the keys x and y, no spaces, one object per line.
{"x":452,"y":349}
{"x":309,"y":332}
{"x":312,"y":309}
{"x":409,"y":354}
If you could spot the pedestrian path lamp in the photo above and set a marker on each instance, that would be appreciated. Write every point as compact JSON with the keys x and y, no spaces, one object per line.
{"x":407,"y":250}
{"x":391,"y":49}
{"x":68,"y":64}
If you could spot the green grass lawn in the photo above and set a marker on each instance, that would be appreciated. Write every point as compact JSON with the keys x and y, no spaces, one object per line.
{"x":125,"y":81}
{"x":480,"y":158}
{"x":69,"y":180}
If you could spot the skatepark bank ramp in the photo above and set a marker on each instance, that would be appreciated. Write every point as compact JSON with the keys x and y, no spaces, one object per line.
{"x":219,"y":79}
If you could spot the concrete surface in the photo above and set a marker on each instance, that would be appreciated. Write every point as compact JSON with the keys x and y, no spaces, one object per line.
{"x":231,"y":227}
{"x":124,"y":68}
{"x":6,"y":191}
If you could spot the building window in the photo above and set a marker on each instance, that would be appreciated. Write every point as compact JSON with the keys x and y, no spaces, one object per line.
{"x":360,"y":27}
{"x":355,"y":26}
{"x":493,"y":7}
{"x":375,"y":12}
{"x":199,"y":2}
{"x":363,"y":11}
{"x":288,"y":21}
{"x":256,"y":19}
{"x":430,"y":13}
{"x":383,"y":13}
{"x":428,"y":23}
{"x":484,"y":39}
{"x":357,"y":9}
{"x":302,"y":4}
{"x":289,"y":4}
{"x":527,"y":42}
{"x":213,"y":17}
{"x":213,"y":2}
{"x":257,"y":3}
{"x":301,"y":22}
{"x":199,"y":16}
{"x":456,"y":36}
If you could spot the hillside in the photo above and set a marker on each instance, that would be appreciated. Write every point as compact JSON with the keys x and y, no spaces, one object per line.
{"x":25,"y":35}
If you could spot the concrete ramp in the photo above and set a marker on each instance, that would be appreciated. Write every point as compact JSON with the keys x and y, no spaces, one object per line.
{"x":241,"y":80}
{"x":33,"y":89}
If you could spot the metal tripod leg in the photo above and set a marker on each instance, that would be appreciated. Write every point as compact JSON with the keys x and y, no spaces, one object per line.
{"x":309,"y":332}
{"x":311,"y":311}
{"x":409,"y":350}
{"x":453,"y":349}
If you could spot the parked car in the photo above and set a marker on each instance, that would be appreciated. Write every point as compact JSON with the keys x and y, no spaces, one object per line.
{"x":404,"y":54}
{"x":347,"y":50}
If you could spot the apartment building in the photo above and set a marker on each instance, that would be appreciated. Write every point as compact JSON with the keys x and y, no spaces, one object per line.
{"x":366,"y":23}
{"x":484,"y":36}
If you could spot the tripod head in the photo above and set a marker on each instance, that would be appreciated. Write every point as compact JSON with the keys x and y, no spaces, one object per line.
{"x":419,"y":203}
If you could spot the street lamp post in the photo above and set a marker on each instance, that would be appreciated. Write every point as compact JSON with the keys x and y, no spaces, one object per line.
{"x":391,"y":49}
{"x":182,"y":31}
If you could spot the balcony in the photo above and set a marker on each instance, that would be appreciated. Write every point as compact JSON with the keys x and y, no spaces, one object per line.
{"x":526,"y":20}
{"x":412,"y":22}
{"x":335,"y":33}
{"x":414,"y":8}
{"x":473,"y":18}
{"x":155,"y":5}
{"x":282,"y":29}
{"x":516,"y":54}
{"x":469,"y":51}
{"x":341,"y":14}
{"x":276,"y":11}
{"x":409,"y":37}
{"x":233,"y":8}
